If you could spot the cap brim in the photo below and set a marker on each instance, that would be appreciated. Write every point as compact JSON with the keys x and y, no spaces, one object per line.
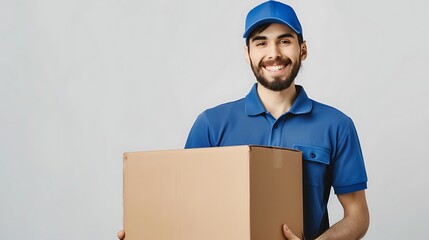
{"x":265,"y":21}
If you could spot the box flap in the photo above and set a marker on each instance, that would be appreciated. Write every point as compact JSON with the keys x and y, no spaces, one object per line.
{"x":272,"y":147}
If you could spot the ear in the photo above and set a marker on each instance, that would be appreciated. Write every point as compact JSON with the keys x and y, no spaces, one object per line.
{"x":246,"y":53}
{"x":303,"y":53}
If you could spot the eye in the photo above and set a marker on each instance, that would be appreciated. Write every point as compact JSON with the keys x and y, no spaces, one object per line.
{"x":284,"y":42}
{"x":260,"y":44}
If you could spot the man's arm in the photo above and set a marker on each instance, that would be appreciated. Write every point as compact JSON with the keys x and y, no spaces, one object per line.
{"x":354,"y":223}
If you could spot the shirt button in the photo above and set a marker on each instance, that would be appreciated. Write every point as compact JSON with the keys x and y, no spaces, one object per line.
{"x":312,"y":155}
{"x":276,"y":126}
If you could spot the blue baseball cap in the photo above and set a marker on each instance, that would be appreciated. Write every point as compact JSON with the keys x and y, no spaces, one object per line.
{"x":272,"y":12}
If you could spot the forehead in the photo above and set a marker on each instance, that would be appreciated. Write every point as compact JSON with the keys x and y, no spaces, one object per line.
{"x":274,"y":30}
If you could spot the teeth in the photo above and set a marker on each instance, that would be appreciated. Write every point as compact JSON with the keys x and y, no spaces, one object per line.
{"x":274,"y":68}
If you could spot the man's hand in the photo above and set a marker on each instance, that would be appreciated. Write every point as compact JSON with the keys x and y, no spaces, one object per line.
{"x":288,"y":233}
{"x":121,"y":234}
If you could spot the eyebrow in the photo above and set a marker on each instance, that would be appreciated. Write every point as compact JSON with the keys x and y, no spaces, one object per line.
{"x":257,"y":38}
{"x":286,"y":35}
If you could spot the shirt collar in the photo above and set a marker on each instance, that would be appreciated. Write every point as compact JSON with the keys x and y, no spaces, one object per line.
{"x":302,"y":103}
{"x":254,"y":106}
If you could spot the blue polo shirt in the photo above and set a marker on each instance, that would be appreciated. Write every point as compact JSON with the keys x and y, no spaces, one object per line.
{"x":327,"y":138}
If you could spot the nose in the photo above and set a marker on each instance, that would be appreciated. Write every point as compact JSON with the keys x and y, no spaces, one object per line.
{"x":273,"y":51}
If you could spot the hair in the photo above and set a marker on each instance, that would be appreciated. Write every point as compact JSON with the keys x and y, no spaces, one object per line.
{"x":264,"y":26}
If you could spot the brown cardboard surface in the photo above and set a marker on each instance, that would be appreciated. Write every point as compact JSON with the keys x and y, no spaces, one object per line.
{"x":275,"y":192}
{"x":242,"y":192}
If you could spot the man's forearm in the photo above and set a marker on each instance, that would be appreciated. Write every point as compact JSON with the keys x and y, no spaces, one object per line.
{"x":355,"y":221}
{"x":351,"y":227}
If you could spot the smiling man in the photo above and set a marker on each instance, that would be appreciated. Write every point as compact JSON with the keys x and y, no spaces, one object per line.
{"x":277,"y":112}
{"x":283,"y":56}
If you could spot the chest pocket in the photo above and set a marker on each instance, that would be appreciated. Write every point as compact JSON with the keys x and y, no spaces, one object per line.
{"x":316,"y":164}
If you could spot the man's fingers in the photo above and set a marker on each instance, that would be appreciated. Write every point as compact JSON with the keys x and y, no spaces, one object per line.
{"x":288,"y":233}
{"x":121,"y":234}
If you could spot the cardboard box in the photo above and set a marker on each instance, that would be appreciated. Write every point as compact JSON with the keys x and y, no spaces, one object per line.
{"x":223,"y":193}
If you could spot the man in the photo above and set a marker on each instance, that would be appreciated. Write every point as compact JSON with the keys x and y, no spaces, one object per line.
{"x":277,"y":112}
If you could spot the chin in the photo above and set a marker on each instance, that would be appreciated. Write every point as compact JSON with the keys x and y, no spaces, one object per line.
{"x":275,"y":85}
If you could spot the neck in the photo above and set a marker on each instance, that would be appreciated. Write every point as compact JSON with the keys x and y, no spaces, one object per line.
{"x":277,"y":103}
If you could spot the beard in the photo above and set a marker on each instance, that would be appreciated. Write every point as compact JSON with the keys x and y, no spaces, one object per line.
{"x":278,"y":83}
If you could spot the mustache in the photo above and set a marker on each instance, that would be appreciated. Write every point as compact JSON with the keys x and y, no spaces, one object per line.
{"x":277,"y":61}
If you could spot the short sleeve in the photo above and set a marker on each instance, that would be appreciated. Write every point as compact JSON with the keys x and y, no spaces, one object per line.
{"x":199,"y":136}
{"x":348,"y":168}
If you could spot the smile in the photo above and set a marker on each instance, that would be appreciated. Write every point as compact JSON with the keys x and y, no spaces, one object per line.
{"x":275,"y":68}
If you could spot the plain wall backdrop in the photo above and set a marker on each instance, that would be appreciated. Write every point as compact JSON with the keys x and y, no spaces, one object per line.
{"x":83,"y":81}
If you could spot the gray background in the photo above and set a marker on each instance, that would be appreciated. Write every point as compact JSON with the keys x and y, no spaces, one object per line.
{"x":83,"y":81}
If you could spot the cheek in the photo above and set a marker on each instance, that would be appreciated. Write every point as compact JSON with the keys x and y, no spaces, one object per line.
{"x":292,"y":52}
{"x":255,"y":55}
{"x":254,"y":60}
